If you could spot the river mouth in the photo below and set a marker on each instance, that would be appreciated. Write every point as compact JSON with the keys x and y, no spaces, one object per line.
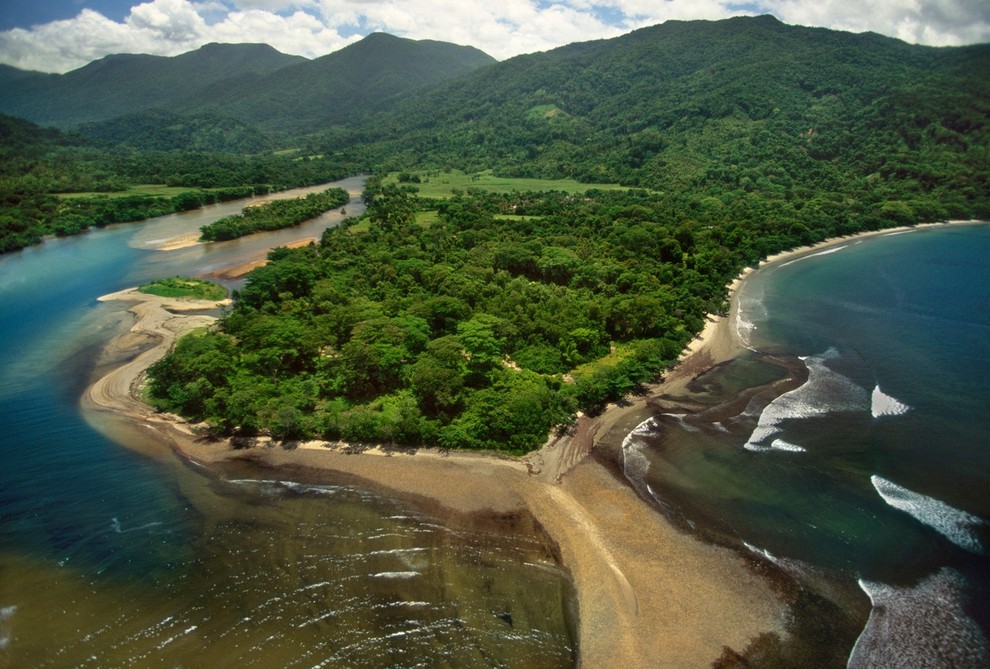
{"x":114,"y":556}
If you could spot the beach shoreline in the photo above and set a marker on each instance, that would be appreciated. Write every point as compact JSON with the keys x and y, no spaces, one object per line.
{"x":645,"y":592}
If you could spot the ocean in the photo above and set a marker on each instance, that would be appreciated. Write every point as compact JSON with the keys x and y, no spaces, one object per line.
{"x":114,"y":556}
{"x":867,"y":478}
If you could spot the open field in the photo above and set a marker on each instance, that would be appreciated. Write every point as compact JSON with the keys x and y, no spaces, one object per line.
{"x":156,"y":190}
{"x":440,"y":185}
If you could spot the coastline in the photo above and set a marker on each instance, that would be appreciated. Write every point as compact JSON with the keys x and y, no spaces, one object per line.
{"x":645,"y":594}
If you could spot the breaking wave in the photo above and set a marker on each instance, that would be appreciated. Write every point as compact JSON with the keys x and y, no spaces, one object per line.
{"x":635,"y":464}
{"x":882,"y":404}
{"x":826,"y":252}
{"x":825,"y":392}
{"x":954,"y":524}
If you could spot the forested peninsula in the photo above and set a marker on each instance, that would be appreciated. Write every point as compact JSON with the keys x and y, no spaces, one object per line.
{"x":481,"y":319}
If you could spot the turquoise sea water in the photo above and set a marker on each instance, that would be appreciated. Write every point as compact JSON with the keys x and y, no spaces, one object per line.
{"x":126,"y":557}
{"x":875,"y":470}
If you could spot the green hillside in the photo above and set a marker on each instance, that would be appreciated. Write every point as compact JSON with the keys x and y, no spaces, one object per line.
{"x":159,"y":130}
{"x":745,"y":105}
{"x":252,"y":84}
{"x":345,"y":86}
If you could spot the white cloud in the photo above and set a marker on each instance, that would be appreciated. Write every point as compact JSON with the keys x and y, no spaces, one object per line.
{"x":502,"y":28}
{"x":932,"y":22}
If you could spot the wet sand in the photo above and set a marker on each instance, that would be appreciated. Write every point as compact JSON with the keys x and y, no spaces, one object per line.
{"x":648,"y":594}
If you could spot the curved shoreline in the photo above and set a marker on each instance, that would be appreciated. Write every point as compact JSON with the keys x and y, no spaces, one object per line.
{"x":644,"y":588}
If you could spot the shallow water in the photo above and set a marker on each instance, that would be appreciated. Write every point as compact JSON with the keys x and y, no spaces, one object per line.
{"x":875,"y":470}
{"x":120,"y":557}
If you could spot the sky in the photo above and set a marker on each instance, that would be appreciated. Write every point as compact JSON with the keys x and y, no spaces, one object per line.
{"x":62,"y":35}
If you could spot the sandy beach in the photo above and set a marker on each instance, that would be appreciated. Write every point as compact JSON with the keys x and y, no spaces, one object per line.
{"x":648,"y":594}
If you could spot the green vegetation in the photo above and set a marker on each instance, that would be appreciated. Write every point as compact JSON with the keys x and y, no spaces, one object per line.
{"x":274,"y":215}
{"x":152,"y":190}
{"x":180,"y":286}
{"x":437,"y":184}
{"x":462,"y":333}
{"x":157,"y":130}
{"x":478,"y":304}
{"x":846,"y":125}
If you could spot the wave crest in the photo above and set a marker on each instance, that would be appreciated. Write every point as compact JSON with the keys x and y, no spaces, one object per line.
{"x":954,"y":524}
{"x":882,"y":404}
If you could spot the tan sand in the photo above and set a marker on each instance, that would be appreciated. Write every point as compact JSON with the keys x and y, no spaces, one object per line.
{"x":179,"y":242}
{"x":648,"y":594}
{"x":237,"y":271}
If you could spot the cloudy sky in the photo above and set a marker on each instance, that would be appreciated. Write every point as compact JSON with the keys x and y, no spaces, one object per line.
{"x":60,"y":35}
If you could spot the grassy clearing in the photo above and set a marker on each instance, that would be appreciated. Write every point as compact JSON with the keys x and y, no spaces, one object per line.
{"x":425,"y":219}
{"x":619,"y":352}
{"x":180,"y":286}
{"x":156,"y":190}
{"x":441,"y":185}
{"x":516,"y":217}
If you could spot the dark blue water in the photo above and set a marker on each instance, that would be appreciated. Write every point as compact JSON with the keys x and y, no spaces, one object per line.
{"x":114,"y":556}
{"x":876,"y":469}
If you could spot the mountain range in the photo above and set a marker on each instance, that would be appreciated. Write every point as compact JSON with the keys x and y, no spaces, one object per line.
{"x":250,"y":83}
{"x":746,"y":104}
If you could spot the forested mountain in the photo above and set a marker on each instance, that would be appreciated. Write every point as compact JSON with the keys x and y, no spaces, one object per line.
{"x":747,"y":104}
{"x":347,"y":85}
{"x":249,"y":83}
{"x":125,"y":83}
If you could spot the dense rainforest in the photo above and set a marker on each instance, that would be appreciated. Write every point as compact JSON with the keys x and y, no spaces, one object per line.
{"x":481,"y":325}
{"x":482,"y":320}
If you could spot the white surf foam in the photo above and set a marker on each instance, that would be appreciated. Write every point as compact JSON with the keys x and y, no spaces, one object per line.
{"x":679,"y":417}
{"x":750,"y":308}
{"x":825,"y":392}
{"x":396,"y":574}
{"x":635,"y":464}
{"x":882,"y":404}
{"x":954,"y":524}
{"x":828,"y":251}
{"x":115,"y":526}
{"x":920,"y":626}
{"x":781,"y":445}
{"x":6,"y":613}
